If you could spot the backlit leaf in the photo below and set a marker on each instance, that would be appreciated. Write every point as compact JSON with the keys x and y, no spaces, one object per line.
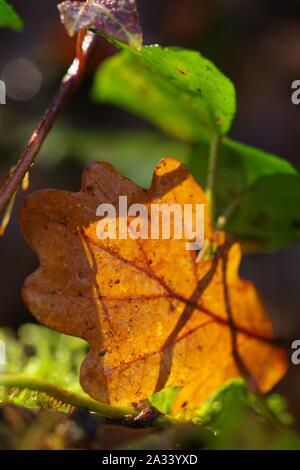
{"x":178,"y":90}
{"x":117,"y":19}
{"x":154,"y":317}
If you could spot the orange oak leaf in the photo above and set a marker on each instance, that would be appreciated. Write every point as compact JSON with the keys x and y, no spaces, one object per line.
{"x":153,"y":315}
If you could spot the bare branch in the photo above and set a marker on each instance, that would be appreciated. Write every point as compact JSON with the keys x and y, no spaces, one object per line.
{"x":85,"y":41}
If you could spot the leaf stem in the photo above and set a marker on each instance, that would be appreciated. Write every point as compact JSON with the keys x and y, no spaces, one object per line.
{"x":212,"y":175}
{"x":85,"y":42}
{"x":229,"y":211}
{"x":74,"y":399}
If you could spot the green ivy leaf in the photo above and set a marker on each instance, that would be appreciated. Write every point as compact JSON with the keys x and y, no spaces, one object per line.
{"x":117,"y":19}
{"x":240,"y":166}
{"x":269,"y":212}
{"x":178,"y":90}
{"x":9,"y":18}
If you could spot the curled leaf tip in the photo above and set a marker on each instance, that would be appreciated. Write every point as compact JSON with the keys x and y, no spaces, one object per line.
{"x":117,"y":19}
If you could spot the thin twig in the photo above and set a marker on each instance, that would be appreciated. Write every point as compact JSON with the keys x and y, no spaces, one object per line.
{"x":85,"y":41}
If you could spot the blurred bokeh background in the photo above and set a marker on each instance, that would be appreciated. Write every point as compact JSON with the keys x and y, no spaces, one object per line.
{"x":256,"y":43}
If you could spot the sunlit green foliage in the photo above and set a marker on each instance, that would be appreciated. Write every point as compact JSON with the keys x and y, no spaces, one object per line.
{"x":9,"y":18}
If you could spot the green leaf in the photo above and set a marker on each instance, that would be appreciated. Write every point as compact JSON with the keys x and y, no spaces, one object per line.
{"x":164,"y":400}
{"x":116,"y":19}
{"x":240,"y":166}
{"x":269,"y":212}
{"x":260,"y":214}
{"x":9,"y":18}
{"x":211,"y":412}
{"x":244,"y":420}
{"x":178,"y":90}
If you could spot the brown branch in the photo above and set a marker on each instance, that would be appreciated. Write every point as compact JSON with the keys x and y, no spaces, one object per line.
{"x":85,"y":42}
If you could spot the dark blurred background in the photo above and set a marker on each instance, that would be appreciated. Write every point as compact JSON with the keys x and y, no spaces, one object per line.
{"x":255,"y":42}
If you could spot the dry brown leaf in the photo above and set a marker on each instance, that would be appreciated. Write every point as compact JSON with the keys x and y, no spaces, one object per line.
{"x":153,"y":317}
